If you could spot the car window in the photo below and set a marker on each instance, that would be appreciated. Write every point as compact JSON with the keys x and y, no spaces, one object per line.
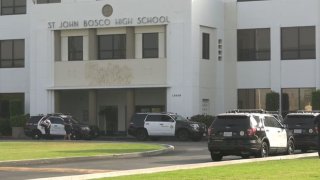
{"x":178,"y":118}
{"x":231,"y":121}
{"x":34,"y":119}
{"x":301,"y":120}
{"x":165,"y":118}
{"x":56,"y":120}
{"x":271,"y":122}
{"x":153,"y":118}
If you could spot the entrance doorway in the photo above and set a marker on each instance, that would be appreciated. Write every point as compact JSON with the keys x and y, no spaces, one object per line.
{"x":110,"y":116}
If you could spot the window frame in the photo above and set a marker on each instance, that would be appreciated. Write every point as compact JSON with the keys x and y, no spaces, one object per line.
{"x":299,"y":49}
{"x":13,"y":59}
{"x":152,"y":49}
{"x":253,"y":53}
{"x":48,"y":1}
{"x":206,"y":46}
{"x":113,"y":50}
{"x":13,"y":8}
{"x":72,"y":51}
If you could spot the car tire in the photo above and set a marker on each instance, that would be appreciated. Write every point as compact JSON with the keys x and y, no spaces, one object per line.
{"x":264,"y":150}
{"x":197,"y":138}
{"x":183,"y":135}
{"x":291,"y":147}
{"x":36,"y":135}
{"x":245,"y":156}
{"x":142,"y":135}
{"x":216,"y":157}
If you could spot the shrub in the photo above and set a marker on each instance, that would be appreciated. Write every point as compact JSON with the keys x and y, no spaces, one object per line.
{"x":206,"y":119}
{"x":19,"y":120}
{"x":272,"y":101}
{"x":5,"y":127}
{"x":316,"y":100}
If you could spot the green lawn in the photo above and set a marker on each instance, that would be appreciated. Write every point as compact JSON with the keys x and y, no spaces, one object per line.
{"x":283,"y":169}
{"x":16,"y":150}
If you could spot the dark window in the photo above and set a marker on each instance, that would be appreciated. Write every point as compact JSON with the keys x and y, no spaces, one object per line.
{"x":205,"y":46}
{"x":223,"y":122}
{"x":75,"y":46}
{"x":154,"y":118}
{"x":11,"y":104}
{"x":252,"y":98}
{"x":302,"y":121}
{"x":298,"y":43}
{"x":165,"y":118}
{"x":253,"y":44}
{"x":10,"y":7}
{"x":56,"y":120}
{"x":150,"y":45}
{"x":12,"y":53}
{"x":48,"y":1}
{"x":112,"y":46}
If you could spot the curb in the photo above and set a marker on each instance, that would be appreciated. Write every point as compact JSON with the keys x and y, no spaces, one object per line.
{"x":176,"y":167}
{"x":168,"y":148}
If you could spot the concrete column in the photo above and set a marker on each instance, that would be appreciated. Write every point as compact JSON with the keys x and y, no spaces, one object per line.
{"x":138,"y":46}
{"x":64,"y":48}
{"x":162,"y":45}
{"x":130,"y":95}
{"x":57,"y":101}
{"x":130,"y":43}
{"x":92,"y":107}
{"x":92,"y":44}
{"x":57,"y":46}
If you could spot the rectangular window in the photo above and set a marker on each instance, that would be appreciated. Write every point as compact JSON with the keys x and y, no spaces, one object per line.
{"x":150,"y":45}
{"x":254,"y":44}
{"x":298,"y":43}
{"x":48,"y":1}
{"x":12,"y":53}
{"x":205,"y":46}
{"x":252,"y":98}
{"x":294,"y":99}
{"x":10,"y":7}
{"x":75,"y":48}
{"x":11,"y":104}
{"x":112,"y":46}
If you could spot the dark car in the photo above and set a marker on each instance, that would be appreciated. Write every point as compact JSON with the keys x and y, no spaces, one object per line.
{"x":303,"y":128}
{"x":34,"y":129}
{"x":144,"y":125}
{"x":248,"y":134}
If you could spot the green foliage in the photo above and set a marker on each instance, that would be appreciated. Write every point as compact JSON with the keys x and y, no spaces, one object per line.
{"x":5,"y":127}
{"x":285,"y":102}
{"x":272,"y":101}
{"x":206,"y":119}
{"x":16,"y":108}
{"x":316,"y":100}
{"x":18,"y":120}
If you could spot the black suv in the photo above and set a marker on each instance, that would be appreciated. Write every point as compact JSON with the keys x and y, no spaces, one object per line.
{"x":144,"y":125}
{"x":36,"y":131}
{"x":303,"y":128}
{"x":246,"y":133}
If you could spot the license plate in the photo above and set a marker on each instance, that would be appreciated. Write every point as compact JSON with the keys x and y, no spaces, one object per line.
{"x":227,"y":134}
{"x":297,"y":131}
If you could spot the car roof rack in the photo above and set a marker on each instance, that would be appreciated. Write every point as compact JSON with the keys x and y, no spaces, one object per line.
{"x":247,"y":111}
{"x":305,"y":111}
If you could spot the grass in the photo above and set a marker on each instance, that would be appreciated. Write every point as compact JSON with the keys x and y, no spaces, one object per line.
{"x":16,"y":150}
{"x":308,"y":168}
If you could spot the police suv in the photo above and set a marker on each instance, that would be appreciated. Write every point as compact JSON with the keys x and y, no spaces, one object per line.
{"x":248,"y":133}
{"x":144,"y":125}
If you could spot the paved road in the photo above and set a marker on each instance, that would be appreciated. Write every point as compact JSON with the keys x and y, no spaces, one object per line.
{"x":184,"y":153}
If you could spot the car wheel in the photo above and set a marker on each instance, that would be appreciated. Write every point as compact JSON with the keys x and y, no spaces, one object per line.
{"x":216,"y":157}
{"x":183,"y":135}
{"x":264,"y":151}
{"x":291,"y":148}
{"x":197,"y":138}
{"x":36,"y":135}
{"x":142,"y":135}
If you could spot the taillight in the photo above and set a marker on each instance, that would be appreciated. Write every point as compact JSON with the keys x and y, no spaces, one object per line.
{"x":251,"y":131}
{"x":209,"y":131}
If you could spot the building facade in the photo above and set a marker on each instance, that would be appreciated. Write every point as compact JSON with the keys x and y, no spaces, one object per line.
{"x":103,"y":60}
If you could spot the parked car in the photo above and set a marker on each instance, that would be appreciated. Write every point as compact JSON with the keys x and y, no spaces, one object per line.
{"x":246,"y":134}
{"x":144,"y":125}
{"x":80,"y":131}
{"x":304,"y":130}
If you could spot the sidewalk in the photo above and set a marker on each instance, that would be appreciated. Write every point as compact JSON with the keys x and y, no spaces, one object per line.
{"x":176,"y":167}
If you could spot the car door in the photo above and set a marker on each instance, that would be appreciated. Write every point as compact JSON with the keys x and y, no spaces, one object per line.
{"x":271,"y":132}
{"x":281,"y":133}
{"x":152,"y":124}
{"x":57,"y":126}
{"x":167,"y":125}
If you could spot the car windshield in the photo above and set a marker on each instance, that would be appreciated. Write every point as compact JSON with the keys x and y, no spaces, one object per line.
{"x":301,"y":120}
{"x":232,"y":121}
{"x":179,"y":118}
{"x":72,"y":119}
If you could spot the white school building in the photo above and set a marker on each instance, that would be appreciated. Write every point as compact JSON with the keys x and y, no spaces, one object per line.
{"x":103,"y":60}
